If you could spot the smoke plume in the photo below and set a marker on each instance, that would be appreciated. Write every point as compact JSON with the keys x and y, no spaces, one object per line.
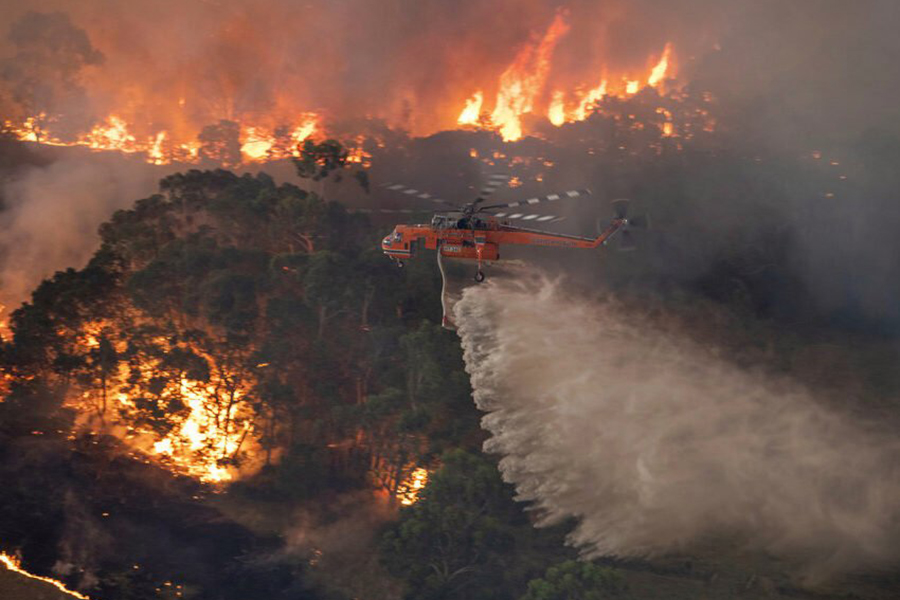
{"x":52,"y":213}
{"x":654,"y":443}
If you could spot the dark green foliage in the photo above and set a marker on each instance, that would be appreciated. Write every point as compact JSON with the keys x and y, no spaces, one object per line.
{"x":220,"y":144}
{"x":465,"y":538}
{"x":275,"y":300}
{"x":437,"y":386}
{"x":319,"y":160}
{"x":328,"y":159}
{"x":574,"y":580}
{"x":346,"y":382}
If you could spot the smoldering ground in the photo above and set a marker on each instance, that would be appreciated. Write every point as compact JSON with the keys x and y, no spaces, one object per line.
{"x":655,"y":443}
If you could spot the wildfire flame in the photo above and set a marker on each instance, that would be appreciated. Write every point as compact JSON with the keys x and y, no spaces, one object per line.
{"x":258,"y":143}
{"x":521,"y":89}
{"x":558,"y":115}
{"x":524,"y":79}
{"x":522,"y":84}
{"x":588,"y":101}
{"x":186,"y":445}
{"x":14,"y":564}
{"x":212,"y":427}
{"x":658,"y":74}
{"x":472,"y":112}
{"x":408,"y":491}
{"x":557,"y":111}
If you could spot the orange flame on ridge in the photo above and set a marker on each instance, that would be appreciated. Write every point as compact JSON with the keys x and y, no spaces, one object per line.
{"x":472,"y":112}
{"x":258,"y":143}
{"x":522,"y":83}
{"x":557,"y":111}
{"x":14,"y":564}
{"x":524,"y":79}
{"x":658,"y":74}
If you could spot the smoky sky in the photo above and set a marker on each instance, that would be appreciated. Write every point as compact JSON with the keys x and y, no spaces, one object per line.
{"x":790,"y":78}
{"x":413,"y":63}
{"x":806,"y":63}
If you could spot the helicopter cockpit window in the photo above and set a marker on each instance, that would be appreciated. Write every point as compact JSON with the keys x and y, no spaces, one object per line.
{"x":398,"y":237}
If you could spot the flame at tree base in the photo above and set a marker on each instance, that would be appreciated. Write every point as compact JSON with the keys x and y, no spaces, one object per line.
{"x":408,"y":491}
{"x":208,"y":433}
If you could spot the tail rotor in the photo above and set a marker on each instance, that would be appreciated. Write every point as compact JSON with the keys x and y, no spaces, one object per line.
{"x":630,"y":233}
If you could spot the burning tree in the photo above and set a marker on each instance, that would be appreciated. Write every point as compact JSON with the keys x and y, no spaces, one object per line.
{"x":225,"y":322}
{"x":42,"y":79}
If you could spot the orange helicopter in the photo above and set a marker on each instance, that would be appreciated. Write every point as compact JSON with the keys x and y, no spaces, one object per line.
{"x":472,"y":232}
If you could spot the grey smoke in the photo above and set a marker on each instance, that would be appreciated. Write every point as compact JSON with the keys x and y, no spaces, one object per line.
{"x":654,"y":443}
{"x":51,"y":215}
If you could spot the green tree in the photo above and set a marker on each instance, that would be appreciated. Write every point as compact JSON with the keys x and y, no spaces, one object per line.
{"x":327,"y":159}
{"x":220,"y":144}
{"x":318,"y":161}
{"x":575,"y":580}
{"x":328,"y":285}
{"x":455,"y":541}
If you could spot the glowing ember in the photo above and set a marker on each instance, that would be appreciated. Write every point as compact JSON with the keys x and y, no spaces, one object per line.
{"x":4,"y":325}
{"x":472,"y":111}
{"x":13,"y":564}
{"x":357,"y":154}
{"x":408,"y":491}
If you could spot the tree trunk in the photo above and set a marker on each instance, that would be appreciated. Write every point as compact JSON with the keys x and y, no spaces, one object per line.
{"x":323,"y":314}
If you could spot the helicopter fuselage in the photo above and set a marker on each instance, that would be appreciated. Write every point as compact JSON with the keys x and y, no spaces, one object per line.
{"x":479,"y":238}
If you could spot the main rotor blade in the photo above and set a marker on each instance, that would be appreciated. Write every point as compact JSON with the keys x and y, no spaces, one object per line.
{"x":417,"y":194}
{"x":539,"y":199}
{"x":494,"y":181}
{"x":626,"y":241}
{"x":529,"y":217}
{"x":391,"y":211}
{"x":620,"y":208}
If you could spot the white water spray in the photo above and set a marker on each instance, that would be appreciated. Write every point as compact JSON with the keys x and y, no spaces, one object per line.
{"x":654,"y":444}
